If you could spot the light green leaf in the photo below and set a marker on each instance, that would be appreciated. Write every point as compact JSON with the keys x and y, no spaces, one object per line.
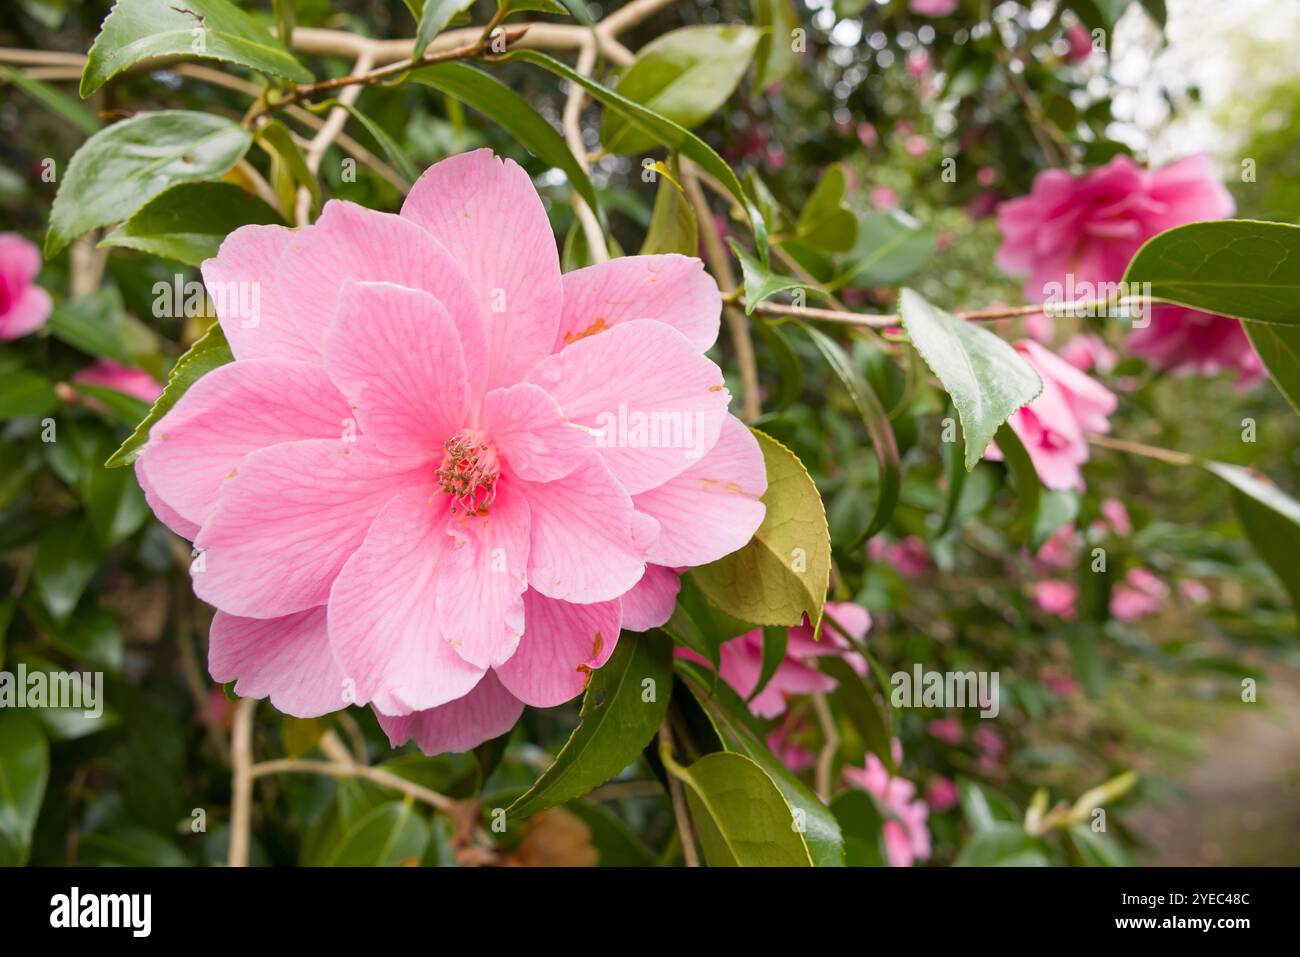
{"x":24,"y":771}
{"x":623,"y":706}
{"x":210,"y":351}
{"x":385,"y":836}
{"x":434,"y":19}
{"x":783,"y":573}
{"x":888,"y":250}
{"x":23,"y":393}
{"x":824,"y":221}
{"x":986,"y":378}
{"x":1002,"y":845}
{"x":1271,"y":520}
{"x":139,"y":30}
{"x":1231,"y":267}
{"x":685,"y":75}
{"x":760,"y":281}
{"x":189,"y":222}
{"x":396,"y":155}
{"x":1278,"y":347}
{"x":122,"y":167}
{"x":504,"y":106}
{"x":53,"y":99}
{"x":289,"y":168}
{"x":775,"y":58}
{"x":673,"y":228}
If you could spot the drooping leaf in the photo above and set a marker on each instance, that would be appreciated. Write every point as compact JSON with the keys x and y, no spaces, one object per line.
{"x":289,"y":168}
{"x":685,"y":75}
{"x":189,"y":222}
{"x":1231,"y":267}
{"x":622,"y":709}
{"x":395,"y":154}
{"x":782,"y":574}
{"x":673,"y":228}
{"x":788,"y":365}
{"x":139,"y":30}
{"x":1271,"y":520}
{"x":122,"y":167}
{"x":24,"y":771}
{"x":986,"y":378}
{"x":434,"y":18}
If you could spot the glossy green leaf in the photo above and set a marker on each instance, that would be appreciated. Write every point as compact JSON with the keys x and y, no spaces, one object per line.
{"x":685,"y":75}
{"x":24,"y":771}
{"x":1231,"y":267}
{"x":1271,"y":520}
{"x":139,"y":30}
{"x":673,"y":228}
{"x":623,"y":706}
{"x":434,"y":18}
{"x":53,"y":99}
{"x":783,"y":573}
{"x":504,"y":106}
{"x":760,"y":281}
{"x":774,"y":58}
{"x":825,"y":221}
{"x":210,"y":351}
{"x":189,"y":222}
{"x":986,"y":378}
{"x":119,"y":169}
{"x":385,"y":836}
{"x":1278,"y":347}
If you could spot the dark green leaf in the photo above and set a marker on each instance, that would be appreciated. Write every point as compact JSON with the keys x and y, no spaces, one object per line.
{"x":1278,"y":348}
{"x":53,"y":99}
{"x":188,"y":222}
{"x":434,"y":19}
{"x":23,"y":393}
{"x":1023,"y":473}
{"x":775,"y":58}
{"x":825,"y":221}
{"x":1271,"y":520}
{"x":24,"y":770}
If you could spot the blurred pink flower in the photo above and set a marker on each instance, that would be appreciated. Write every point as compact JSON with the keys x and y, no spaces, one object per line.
{"x":408,"y":496}
{"x":1061,"y":550}
{"x":916,"y":146}
{"x":984,"y":204}
{"x":1058,"y":683}
{"x":919,"y":63}
{"x":1194,"y":591}
{"x":1116,"y":516}
{"x":127,"y":379}
{"x":907,"y":837}
{"x":742,"y":659}
{"x":932,"y":8}
{"x":1087,"y":352}
{"x":24,"y":306}
{"x":1189,"y":342}
{"x":1052,"y":427}
{"x":910,"y":556}
{"x":884,"y":197}
{"x":1140,"y":594}
{"x":986,"y":176}
{"x":867,"y":135}
{"x":941,"y":794}
{"x":1089,"y":225}
{"x":947,"y":730}
{"x":1080,"y":43}
{"x":1056,"y":597}
{"x":782,"y":744}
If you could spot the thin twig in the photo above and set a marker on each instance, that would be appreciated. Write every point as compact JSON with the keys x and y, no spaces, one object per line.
{"x":680,"y":812}
{"x":341,"y":769}
{"x":1139,"y":448}
{"x":597,"y":247}
{"x":241,"y":781}
{"x":990,"y":314}
{"x":831,"y":744}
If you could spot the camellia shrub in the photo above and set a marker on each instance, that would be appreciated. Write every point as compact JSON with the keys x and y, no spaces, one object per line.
{"x":773,"y":433}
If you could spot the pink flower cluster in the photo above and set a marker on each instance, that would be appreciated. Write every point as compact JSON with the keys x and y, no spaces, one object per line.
{"x":907,"y":836}
{"x":24,"y":306}
{"x":416,"y":486}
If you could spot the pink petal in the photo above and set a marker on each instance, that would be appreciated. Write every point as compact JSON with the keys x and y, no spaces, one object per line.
{"x":530,"y":432}
{"x":383,"y":618}
{"x":287,"y":658}
{"x":588,"y":542}
{"x":26,"y":314}
{"x":164,"y":512}
{"x":651,"y":601}
{"x":286,"y":523}
{"x":246,"y":265}
{"x":396,"y":355}
{"x":673,"y":289}
{"x":233,"y":410}
{"x":714,"y":507}
{"x":481,"y":582}
{"x":352,"y":242}
{"x":562,"y":644}
{"x":658,"y":403}
{"x":488,"y":214}
{"x":486,"y":712}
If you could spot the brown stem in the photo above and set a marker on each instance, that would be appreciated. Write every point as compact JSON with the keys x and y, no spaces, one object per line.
{"x":680,"y":812}
{"x":1138,"y":448}
{"x":241,"y":781}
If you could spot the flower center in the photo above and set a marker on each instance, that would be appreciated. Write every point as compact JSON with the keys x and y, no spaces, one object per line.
{"x":469,"y":471}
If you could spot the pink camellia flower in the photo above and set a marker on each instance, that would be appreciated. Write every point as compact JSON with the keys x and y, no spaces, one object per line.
{"x":867,"y":134}
{"x":24,"y":306}
{"x":782,"y":744}
{"x":1116,"y":516}
{"x":1140,"y":594}
{"x":1056,"y":597}
{"x":425,"y":483}
{"x":916,"y":146}
{"x":1087,"y":352}
{"x":947,"y":730}
{"x":910,"y":556}
{"x":919,"y":63}
{"x":1190,"y":342}
{"x":941,"y":794}
{"x":126,"y":379}
{"x":932,"y":8}
{"x":741,"y":659}
{"x":1059,"y":551}
{"x":1089,"y":226}
{"x":1194,"y":591}
{"x":1052,"y":427}
{"x":1080,"y":41}
{"x":907,"y":838}
{"x":883,"y":197}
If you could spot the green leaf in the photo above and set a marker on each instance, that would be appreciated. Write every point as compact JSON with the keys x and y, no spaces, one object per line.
{"x":24,"y":393}
{"x":858,"y":702}
{"x":876,"y":419}
{"x":1002,"y":845}
{"x":395,"y":154}
{"x":1271,"y":520}
{"x":54,"y":100}
{"x":98,"y":325}
{"x":663,"y":131}
{"x":210,"y":351}
{"x":127,"y":408}
{"x":289,"y":168}
{"x":24,"y":771}
{"x":66,"y":559}
{"x":731,"y":721}
{"x":774,"y":58}
{"x":825,"y":221}
{"x":615,"y":842}
{"x":1278,"y":347}
{"x":672,"y":223}
{"x":385,"y":836}
{"x":788,"y":364}
{"x":1231,"y":267}
{"x":1099,"y":849}
{"x":504,"y":106}
{"x":139,"y":30}
{"x":434,"y":19}
{"x":760,"y":281}
{"x":685,"y":75}
{"x":129,"y":845}
{"x":617,"y":721}
{"x":740,"y":815}
{"x":783,"y":573}
{"x":189,"y":222}
{"x":122,"y":167}
{"x":888,"y":250}
{"x":510,"y":7}
{"x":863,"y":827}
{"x":986,"y":378}
{"x":1023,"y":473}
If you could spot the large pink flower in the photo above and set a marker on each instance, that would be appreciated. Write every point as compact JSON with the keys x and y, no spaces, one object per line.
{"x":24,"y":306}
{"x":1053,"y":426}
{"x":126,"y":379}
{"x":1189,"y":342}
{"x":437,"y":466}
{"x":1090,"y":225}
{"x":907,"y":837}
{"x":741,"y":659}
